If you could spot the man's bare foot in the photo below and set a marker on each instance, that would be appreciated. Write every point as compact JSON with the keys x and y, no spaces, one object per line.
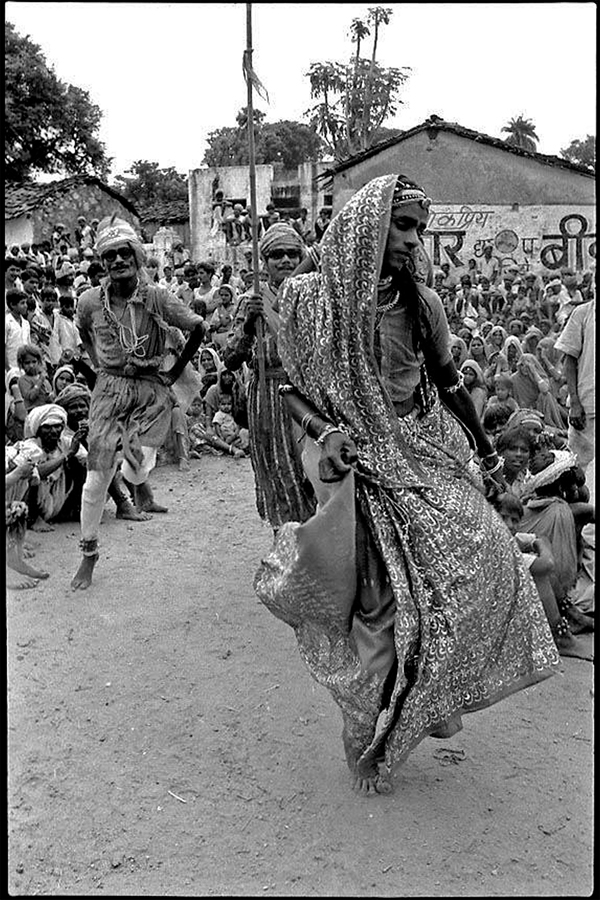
{"x":153,"y":507}
{"x":184,"y":465}
{"x":16,"y":583}
{"x":83,"y":576}
{"x":568,"y":645}
{"x":128,"y":511}
{"x":15,"y":561}
{"x":41,"y":526}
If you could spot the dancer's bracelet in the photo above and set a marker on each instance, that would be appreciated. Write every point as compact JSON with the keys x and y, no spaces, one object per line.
{"x":329,"y":429}
{"x":494,"y":469}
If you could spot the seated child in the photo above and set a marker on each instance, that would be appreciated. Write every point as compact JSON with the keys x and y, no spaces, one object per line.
{"x":227,"y":429}
{"x":494,"y":422}
{"x":35,"y":386}
{"x":502,"y":396}
{"x":515,"y":446}
{"x":201,"y":438}
{"x":537,"y":553}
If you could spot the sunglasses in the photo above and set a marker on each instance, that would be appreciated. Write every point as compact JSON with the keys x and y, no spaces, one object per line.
{"x":111,"y":255}
{"x":279,"y":254}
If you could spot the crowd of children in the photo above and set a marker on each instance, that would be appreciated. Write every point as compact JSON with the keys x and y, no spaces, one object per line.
{"x":504,"y":324}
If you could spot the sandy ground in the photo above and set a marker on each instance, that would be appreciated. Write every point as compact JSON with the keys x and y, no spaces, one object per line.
{"x":166,"y":739}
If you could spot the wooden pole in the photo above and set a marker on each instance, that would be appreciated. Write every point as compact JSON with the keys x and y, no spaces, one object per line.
{"x":260,"y":349}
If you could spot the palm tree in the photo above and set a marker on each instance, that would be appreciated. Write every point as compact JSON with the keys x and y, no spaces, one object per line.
{"x":521,"y":133}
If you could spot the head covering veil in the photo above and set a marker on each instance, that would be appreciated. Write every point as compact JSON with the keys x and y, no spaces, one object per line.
{"x":327,"y":327}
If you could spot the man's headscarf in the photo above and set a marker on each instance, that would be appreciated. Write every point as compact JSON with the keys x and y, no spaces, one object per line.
{"x":71,"y":393}
{"x":48,"y":414}
{"x":280,"y":236}
{"x":114,"y":232}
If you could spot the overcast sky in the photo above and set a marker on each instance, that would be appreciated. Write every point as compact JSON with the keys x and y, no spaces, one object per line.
{"x":166,"y":74}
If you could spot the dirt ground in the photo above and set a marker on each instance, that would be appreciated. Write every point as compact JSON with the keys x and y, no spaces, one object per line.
{"x":164,"y":738}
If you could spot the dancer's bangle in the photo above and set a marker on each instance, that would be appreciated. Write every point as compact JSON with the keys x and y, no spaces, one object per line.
{"x":306,"y":420}
{"x":329,"y":429}
{"x":452,"y":389}
{"x":491,"y":455}
{"x":494,"y":469}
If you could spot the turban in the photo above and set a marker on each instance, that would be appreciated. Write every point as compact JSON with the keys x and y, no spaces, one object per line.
{"x":280,"y":236}
{"x":48,"y":414}
{"x":114,"y":232}
{"x":73,"y":392}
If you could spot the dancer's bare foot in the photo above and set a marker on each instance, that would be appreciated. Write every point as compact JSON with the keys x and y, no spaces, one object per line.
{"x":41,"y":526}
{"x":83,"y":576}
{"x":131,"y":514}
{"x":184,"y":465}
{"x":578,"y":621}
{"x":372,"y":784}
{"x":568,"y":645}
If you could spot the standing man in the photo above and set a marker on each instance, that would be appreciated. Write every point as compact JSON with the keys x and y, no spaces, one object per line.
{"x":489,"y":265}
{"x":577,"y":342}
{"x":283,"y":491}
{"x":124,"y":325}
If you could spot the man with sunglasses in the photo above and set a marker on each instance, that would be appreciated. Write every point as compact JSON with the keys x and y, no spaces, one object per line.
{"x":124,"y":324}
{"x":283,"y":492}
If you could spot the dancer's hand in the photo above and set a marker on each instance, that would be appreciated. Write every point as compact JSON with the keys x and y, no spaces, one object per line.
{"x":167,"y":377}
{"x":338,"y":456}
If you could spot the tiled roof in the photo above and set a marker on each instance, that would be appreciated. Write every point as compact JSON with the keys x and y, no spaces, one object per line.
{"x":167,"y":211}
{"x":435,"y":123}
{"x":24,"y":198}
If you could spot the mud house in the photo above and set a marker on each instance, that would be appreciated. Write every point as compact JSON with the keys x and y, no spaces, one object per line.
{"x":531,"y":208}
{"x":173,"y":215}
{"x":32,"y":210}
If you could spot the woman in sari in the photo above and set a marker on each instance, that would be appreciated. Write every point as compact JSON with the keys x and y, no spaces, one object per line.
{"x":409,"y":598}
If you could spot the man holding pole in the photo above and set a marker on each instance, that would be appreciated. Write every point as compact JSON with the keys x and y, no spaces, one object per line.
{"x":283,"y":492}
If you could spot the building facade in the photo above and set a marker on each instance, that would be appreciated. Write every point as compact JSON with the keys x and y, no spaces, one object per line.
{"x":32,"y":210}
{"x":534,"y":210}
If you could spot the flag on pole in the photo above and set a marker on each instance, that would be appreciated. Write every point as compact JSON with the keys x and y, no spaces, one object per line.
{"x":249,"y":73}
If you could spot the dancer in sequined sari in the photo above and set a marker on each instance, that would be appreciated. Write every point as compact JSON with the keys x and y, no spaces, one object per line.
{"x":408,"y":595}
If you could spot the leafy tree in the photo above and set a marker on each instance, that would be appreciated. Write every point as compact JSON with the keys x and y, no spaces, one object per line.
{"x":287,"y":142}
{"x":151,"y":184}
{"x":521,"y":133}
{"x":355,"y":98}
{"x":49,"y":126}
{"x":582,"y":152}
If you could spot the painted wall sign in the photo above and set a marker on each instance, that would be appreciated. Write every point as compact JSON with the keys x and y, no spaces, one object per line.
{"x":537,"y":237}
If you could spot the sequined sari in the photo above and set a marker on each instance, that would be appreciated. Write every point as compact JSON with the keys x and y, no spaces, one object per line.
{"x":468,"y":626}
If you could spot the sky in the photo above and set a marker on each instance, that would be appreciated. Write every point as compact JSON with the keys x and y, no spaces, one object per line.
{"x":167,"y":74}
